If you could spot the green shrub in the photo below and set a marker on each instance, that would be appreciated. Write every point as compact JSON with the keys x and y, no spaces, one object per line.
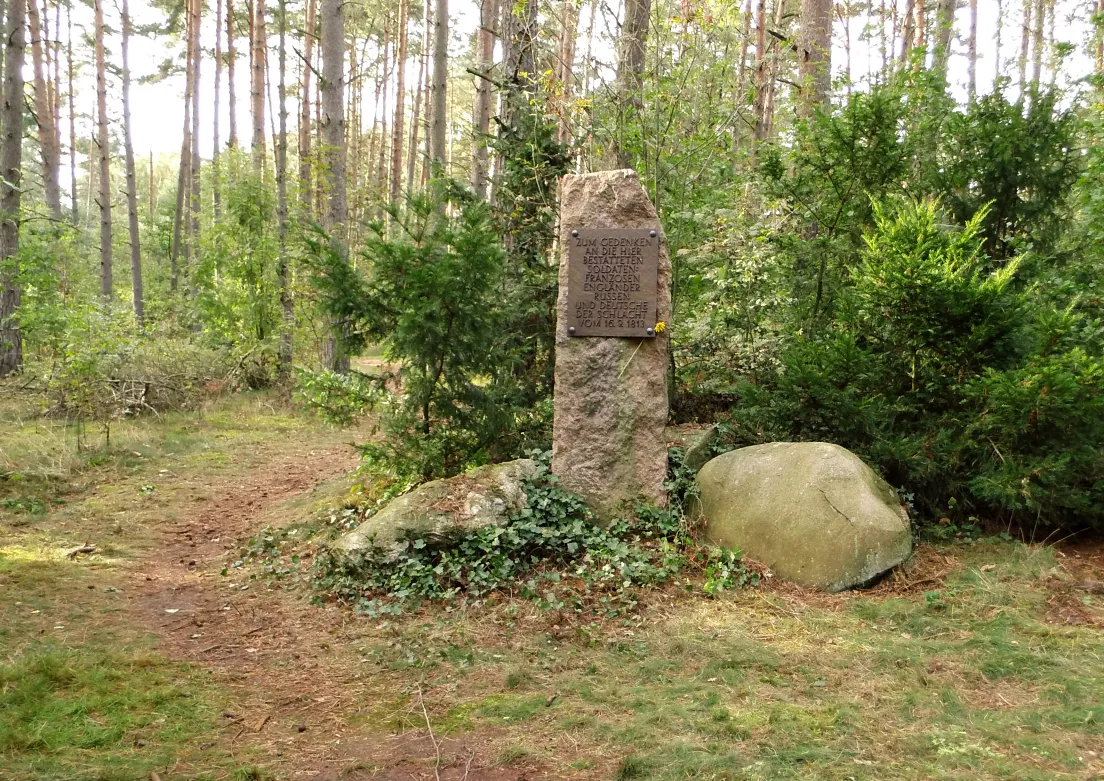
{"x":339,"y":399}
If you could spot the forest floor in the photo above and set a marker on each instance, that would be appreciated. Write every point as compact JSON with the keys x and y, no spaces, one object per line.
{"x":155,"y":657}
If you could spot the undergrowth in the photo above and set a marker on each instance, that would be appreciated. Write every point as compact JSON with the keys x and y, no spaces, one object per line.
{"x":551,"y":552}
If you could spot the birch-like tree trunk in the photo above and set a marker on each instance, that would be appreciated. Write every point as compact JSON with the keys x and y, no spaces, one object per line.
{"x":102,"y":141}
{"x":257,"y":87}
{"x":131,"y":179}
{"x":11,"y":170}
{"x":398,"y":126}
{"x":44,"y":113}
{"x":305,"y":110}
{"x":815,"y":55}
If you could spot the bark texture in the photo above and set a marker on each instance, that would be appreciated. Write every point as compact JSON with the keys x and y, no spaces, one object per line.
{"x":11,"y":169}
{"x":131,"y":180}
{"x":105,"y":163}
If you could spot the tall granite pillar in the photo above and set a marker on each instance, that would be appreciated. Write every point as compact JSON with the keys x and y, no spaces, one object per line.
{"x":611,"y":394}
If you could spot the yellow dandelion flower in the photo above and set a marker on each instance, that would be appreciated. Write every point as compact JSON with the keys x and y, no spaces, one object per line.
{"x":660,"y":327}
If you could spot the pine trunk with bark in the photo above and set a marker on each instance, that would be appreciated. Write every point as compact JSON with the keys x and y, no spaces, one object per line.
{"x":72,"y":116}
{"x":481,"y":110}
{"x":216,"y":185}
{"x":762,"y":72}
{"x":1037,"y":43}
{"x":287,"y":305}
{"x":944,"y":30}
{"x":102,"y":141}
{"x":971,"y":53}
{"x":131,"y":179}
{"x":194,"y":168}
{"x":565,"y":73}
{"x":305,"y":111}
{"x":815,"y":55}
{"x":332,"y":127}
{"x":231,"y":87}
{"x":257,"y":86}
{"x":180,"y":248}
{"x":11,"y":168}
{"x":416,"y":119}
{"x":632,"y":45}
{"x":438,"y":107}
{"x":44,"y":112}
{"x":398,"y":126}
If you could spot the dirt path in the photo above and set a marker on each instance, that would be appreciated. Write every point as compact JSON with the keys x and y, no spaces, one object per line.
{"x":301,"y":696}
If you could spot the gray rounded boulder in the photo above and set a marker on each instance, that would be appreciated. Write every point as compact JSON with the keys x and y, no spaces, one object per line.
{"x":811,"y":511}
{"x":444,"y":510}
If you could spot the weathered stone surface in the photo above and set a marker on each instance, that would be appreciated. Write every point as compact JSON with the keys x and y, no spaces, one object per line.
{"x":443,"y":509}
{"x":611,"y":394}
{"x":696,"y":442}
{"x":811,"y":511}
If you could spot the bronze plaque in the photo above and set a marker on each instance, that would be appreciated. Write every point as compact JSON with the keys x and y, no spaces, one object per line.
{"x":612,"y":281}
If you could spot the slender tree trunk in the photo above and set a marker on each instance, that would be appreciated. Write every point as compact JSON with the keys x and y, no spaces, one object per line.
{"x":1025,"y":44}
{"x":1037,"y":43}
{"x":762,"y":72}
{"x":944,"y":30}
{"x":416,"y":118}
{"x":1100,"y":42}
{"x":44,"y":113}
{"x":131,"y":179}
{"x":11,"y":168}
{"x":745,"y":44}
{"x":150,"y":189}
{"x":102,"y":141}
{"x":305,"y":111}
{"x":287,"y":305}
{"x":815,"y":55}
{"x":180,"y":248}
{"x":216,"y":185}
{"x":481,"y":111}
{"x":565,"y":76}
{"x":194,"y":170}
{"x":377,"y":173}
{"x":971,"y":53}
{"x":332,"y":85}
{"x":55,"y":46}
{"x":398,"y":126}
{"x":72,"y":114}
{"x":438,"y":109}
{"x":231,"y":58}
{"x":257,"y":87}
{"x":632,"y":45}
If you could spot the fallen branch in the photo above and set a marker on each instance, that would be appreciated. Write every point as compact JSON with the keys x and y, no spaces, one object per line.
{"x":1091,"y":586}
{"x":436,"y":745}
{"x":88,"y":547}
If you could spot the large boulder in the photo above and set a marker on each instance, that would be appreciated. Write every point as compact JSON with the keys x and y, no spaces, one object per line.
{"x":443,"y":510}
{"x":811,"y":511}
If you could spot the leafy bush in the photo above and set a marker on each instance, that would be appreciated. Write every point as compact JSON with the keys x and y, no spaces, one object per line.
{"x":550,"y":551}
{"x":975,"y":395}
{"x":339,"y":399}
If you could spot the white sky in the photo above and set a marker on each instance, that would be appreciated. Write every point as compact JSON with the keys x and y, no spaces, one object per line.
{"x":157,"y":109}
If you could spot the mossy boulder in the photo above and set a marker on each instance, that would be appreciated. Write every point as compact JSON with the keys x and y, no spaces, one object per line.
{"x":811,"y":511}
{"x":441,"y":511}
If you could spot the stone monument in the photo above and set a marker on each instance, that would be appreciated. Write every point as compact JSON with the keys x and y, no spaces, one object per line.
{"x":613,"y":316}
